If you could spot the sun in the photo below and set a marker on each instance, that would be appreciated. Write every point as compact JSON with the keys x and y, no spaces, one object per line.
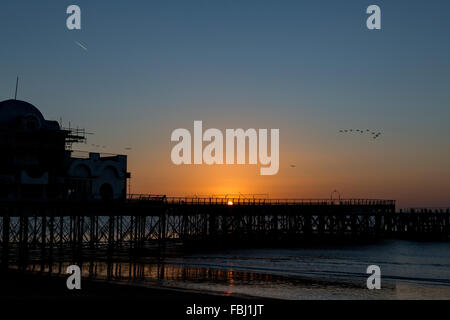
{"x":230,"y":203}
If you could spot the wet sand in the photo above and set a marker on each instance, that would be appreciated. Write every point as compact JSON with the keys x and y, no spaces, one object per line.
{"x":17,"y":285}
{"x":33,"y":294}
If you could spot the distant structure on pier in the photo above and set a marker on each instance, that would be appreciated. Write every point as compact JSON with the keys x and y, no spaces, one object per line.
{"x":37,"y":161}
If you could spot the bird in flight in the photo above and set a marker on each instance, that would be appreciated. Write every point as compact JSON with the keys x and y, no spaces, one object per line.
{"x":374,"y":134}
{"x":377,"y":135}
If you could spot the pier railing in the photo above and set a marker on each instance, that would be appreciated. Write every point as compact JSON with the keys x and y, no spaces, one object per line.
{"x":258,"y":201}
{"x":426,"y":210}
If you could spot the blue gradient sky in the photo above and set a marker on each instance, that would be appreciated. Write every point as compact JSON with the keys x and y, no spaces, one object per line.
{"x":309,"y":68}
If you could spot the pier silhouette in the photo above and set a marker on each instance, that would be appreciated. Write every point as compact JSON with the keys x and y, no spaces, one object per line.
{"x":152,"y":225}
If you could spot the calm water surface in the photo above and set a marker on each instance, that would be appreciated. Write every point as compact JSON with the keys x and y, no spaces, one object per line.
{"x":409,"y":270}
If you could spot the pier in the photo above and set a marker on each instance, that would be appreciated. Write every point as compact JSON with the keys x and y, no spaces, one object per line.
{"x":144,"y":225}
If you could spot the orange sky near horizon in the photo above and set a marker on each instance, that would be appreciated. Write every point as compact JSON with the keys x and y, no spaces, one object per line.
{"x":351,"y":166}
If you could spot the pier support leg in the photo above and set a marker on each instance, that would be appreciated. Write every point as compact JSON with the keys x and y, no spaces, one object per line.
{"x":43,"y":241}
{"x":162,"y":231}
{"x":5,"y":242}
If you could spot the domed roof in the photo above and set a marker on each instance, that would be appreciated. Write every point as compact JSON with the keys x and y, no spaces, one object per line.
{"x":12,"y":111}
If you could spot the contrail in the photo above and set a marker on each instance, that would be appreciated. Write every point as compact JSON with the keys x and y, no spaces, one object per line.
{"x":81,"y":45}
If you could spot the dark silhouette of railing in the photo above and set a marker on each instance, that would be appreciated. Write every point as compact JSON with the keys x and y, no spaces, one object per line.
{"x":257,"y":201}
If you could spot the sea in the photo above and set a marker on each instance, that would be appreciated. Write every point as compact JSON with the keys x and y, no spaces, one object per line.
{"x":408,"y":270}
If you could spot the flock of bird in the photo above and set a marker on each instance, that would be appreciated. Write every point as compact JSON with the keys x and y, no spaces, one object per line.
{"x":374,"y":135}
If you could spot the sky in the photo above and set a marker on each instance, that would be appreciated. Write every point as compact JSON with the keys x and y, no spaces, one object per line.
{"x":308,"y":68}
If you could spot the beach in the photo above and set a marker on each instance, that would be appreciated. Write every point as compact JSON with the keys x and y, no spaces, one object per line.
{"x":25,"y":286}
